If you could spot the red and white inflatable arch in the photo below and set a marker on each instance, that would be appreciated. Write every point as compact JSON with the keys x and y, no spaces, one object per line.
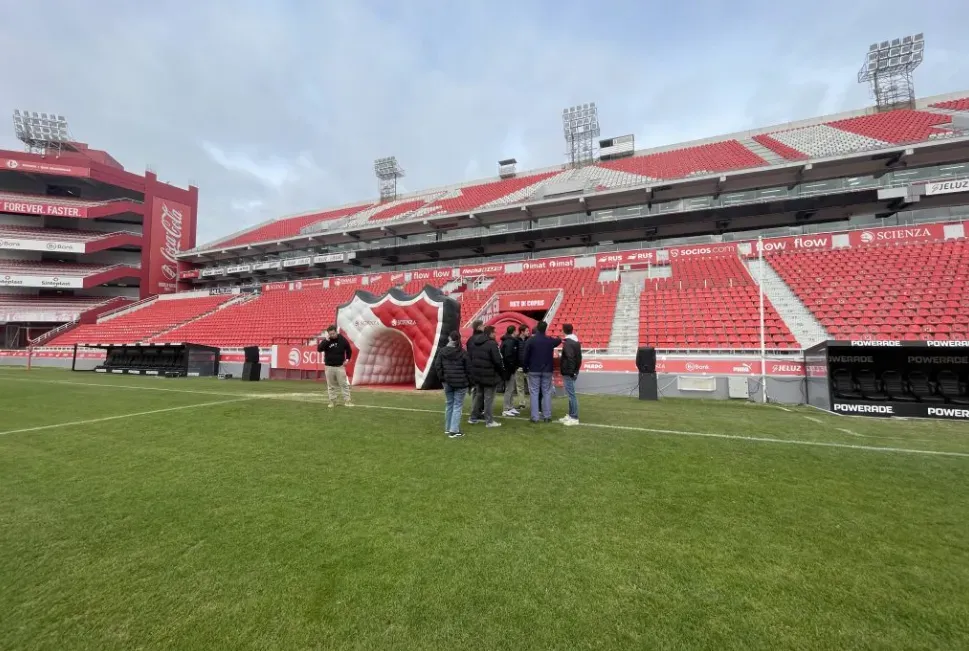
{"x":396,"y":336}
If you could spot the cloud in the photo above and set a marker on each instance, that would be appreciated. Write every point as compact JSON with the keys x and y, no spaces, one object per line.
{"x":277,"y":108}
{"x":273,"y":171}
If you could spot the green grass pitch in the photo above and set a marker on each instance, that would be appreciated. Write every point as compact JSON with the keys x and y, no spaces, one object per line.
{"x":143,"y":513}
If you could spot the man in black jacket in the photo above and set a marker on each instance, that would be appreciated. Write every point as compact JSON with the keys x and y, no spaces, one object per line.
{"x":486,"y":372}
{"x":510,"y":343}
{"x":524,"y":332}
{"x":569,"y":365}
{"x":453,"y":367}
{"x":336,"y":353}
{"x":475,"y":329}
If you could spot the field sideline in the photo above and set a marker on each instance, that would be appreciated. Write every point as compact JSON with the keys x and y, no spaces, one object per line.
{"x":199,"y":514}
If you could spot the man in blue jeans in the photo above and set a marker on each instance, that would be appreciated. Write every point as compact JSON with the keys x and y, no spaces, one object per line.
{"x":538,"y":363}
{"x":569,"y":366}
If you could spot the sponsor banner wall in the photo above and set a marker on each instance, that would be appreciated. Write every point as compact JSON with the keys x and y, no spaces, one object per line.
{"x":722,"y":365}
{"x":38,"y":207}
{"x":41,"y":353}
{"x":515,"y":302}
{"x":343,"y":281}
{"x":703,"y":250}
{"x":36,"y":167}
{"x":170,"y":232}
{"x":820,"y":241}
{"x":548,"y":263}
{"x":296,"y":358}
{"x":900,"y":409}
{"x":72,"y":282}
{"x":947,"y":187}
{"x":482,"y":270}
{"x":607,"y":260}
{"x":19,"y":244}
{"x":898,"y":234}
{"x":188,"y":274}
{"x":307,"y":359}
{"x":230,"y":357}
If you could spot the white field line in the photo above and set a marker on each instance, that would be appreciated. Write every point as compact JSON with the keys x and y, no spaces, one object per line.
{"x":91,"y":421}
{"x":815,"y":420}
{"x":758,"y":439}
{"x":313,"y":397}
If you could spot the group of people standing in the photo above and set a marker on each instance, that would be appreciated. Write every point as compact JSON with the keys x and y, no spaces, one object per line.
{"x":482,"y":366}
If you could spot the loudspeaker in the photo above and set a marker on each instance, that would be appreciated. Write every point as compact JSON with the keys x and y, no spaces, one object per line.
{"x":646,"y":359}
{"x":251,"y":372}
{"x":648,"y":389}
{"x":252,"y":354}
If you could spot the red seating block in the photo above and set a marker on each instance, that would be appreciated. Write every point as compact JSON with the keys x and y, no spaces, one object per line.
{"x":142,"y":322}
{"x":273,"y":317}
{"x":954,"y":104}
{"x":677,"y":163}
{"x":708,"y":303}
{"x":288,"y":227}
{"x":904,"y":125}
{"x":908,"y":291}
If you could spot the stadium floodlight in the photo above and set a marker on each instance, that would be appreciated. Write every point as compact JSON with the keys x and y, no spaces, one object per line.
{"x":888,"y":68}
{"x":580,"y":125}
{"x":42,"y":132}
{"x":387,"y":171}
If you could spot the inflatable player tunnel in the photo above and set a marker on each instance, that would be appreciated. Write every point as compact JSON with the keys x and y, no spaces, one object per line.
{"x":396,"y":336}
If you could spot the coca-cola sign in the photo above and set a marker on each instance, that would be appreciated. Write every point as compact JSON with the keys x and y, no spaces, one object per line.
{"x":171,"y":222}
{"x":172,"y":230}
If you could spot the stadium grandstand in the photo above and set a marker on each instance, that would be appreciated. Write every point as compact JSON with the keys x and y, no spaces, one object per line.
{"x":81,"y":237}
{"x":849,"y":226}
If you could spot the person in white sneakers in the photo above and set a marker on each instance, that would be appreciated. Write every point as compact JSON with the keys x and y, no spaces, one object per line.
{"x":569,"y":366}
{"x":336,"y":353}
{"x":510,"y":343}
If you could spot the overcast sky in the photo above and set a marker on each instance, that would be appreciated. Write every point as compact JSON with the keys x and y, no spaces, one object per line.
{"x":279,"y":107}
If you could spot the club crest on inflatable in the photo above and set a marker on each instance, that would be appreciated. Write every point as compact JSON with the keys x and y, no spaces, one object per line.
{"x":396,"y":336}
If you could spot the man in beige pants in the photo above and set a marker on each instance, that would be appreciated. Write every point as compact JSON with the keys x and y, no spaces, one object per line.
{"x":336,"y":353}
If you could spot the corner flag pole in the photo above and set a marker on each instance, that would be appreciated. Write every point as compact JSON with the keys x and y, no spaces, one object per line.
{"x":763,"y":336}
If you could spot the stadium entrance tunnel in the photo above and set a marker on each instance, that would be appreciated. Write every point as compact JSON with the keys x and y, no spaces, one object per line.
{"x":386,"y":357}
{"x":396,"y":336}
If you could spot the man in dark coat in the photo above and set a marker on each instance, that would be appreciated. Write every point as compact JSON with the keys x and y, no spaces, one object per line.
{"x":486,"y":372}
{"x":524,"y":332}
{"x":539,"y":364}
{"x":475,"y":329}
{"x":510,"y":344}
{"x":453,"y":368}
{"x":569,"y":366}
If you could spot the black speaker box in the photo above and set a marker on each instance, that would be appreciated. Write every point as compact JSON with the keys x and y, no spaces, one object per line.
{"x":251,"y":372}
{"x":646,"y":359}
{"x":648,"y":388}
{"x":252,"y":354}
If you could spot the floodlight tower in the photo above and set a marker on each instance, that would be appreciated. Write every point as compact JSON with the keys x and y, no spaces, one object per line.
{"x":580,"y":125}
{"x":387,"y":171}
{"x":42,"y":132}
{"x":889,"y":67}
